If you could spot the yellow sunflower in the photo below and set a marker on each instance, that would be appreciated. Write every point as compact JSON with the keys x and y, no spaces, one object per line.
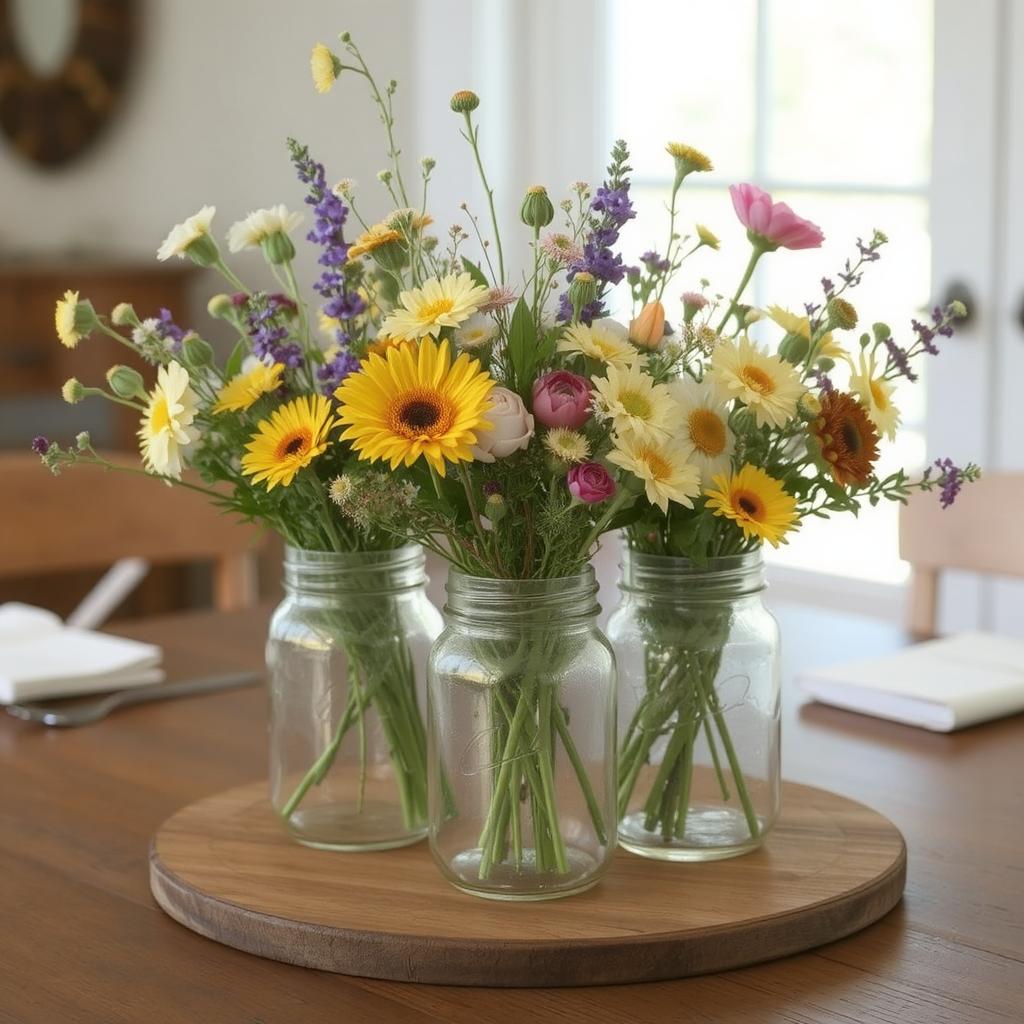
{"x":769,"y":386}
{"x":441,"y":302}
{"x":290,"y":440}
{"x":413,"y":402}
{"x":756,"y":502}
{"x":249,"y":386}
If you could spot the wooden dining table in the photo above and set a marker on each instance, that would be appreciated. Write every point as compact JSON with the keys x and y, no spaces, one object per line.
{"x":81,"y":939}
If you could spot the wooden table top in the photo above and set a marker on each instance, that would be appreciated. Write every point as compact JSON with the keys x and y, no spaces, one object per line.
{"x":82,"y":940}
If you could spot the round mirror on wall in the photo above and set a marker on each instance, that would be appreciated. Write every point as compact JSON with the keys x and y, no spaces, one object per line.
{"x":63,"y":65}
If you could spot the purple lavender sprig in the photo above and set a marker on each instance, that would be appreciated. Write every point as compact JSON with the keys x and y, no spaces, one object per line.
{"x":610,"y":208}
{"x":949,"y":478}
{"x":342,"y":302}
{"x":941,"y":326}
{"x":266,"y":320}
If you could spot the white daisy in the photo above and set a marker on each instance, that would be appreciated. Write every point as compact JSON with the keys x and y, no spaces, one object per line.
{"x":704,"y":423}
{"x":259,"y":225}
{"x":184,"y":234}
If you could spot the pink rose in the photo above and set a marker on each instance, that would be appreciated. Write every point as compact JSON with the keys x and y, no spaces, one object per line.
{"x":773,"y":223}
{"x":561,"y":399}
{"x":511,"y":427}
{"x":590,"y":482}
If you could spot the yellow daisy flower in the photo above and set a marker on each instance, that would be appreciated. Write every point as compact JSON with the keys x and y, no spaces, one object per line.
{"x":249,"y":386}
{"x":290,"y":440}
{"x":633,"y":402}
{"x":605,"y":341}
{"x":801,"y":326}
{"x":705,"y":425}
{"x":756,"y":502}
{"x":692,"y":159}
{"x":568,"y":445}
{"x":769,"y":386}
{"x":441,"y":302}
{"x":74,"y":319}
{"x":875,"y":394}
{"x":415,"y":401}
{"x":373,"y":238}
{"x":166,"y":427}
{"x":662,"y":464}
{"x":324,"y":67}
{"x":708,"y":237}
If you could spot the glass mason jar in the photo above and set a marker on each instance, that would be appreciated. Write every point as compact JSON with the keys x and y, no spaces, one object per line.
{"x":698,"y":707}
{"x":522,"y":738}
{"x":345,"y":663}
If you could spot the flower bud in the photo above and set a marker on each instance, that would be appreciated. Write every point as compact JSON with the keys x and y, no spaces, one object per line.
{"x":126,"y":382}
{"x":633,"y":275}
{"x":708,"y":237}
{"x":495,"y":508}
{"x":465,"y":101}
{"x":825,"y":363}
{"x":72,"y":392}
{"x":582,"y":291}
{"x":841,"y":314}
{"x":794,"y":348}
{"x":881,"y":331}
{"x":221,"y":307}
{"x":195,"y":352}
{"x":278,"y":248}
{"x":693,"y":303}
{"x":810,"y":406}
{"x":384,"y":176}
{"x":536,"y":210}
{"x":123,"y":315}
{"x":83,"y":442}
{"x":752,"y":315}
{"x":957,"y":308}
{"x":648,"y":329}
{"x":428,"y":163}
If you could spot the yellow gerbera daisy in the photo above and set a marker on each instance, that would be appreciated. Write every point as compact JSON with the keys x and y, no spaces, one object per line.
{"x":415,"y":401}
{"x":605,"y":341}
{"x":662,"y":464}
{"x":756,"y":502}
{"x":875,"y":394}
{"x":74,"y":319}
{"x":290,"y":440}
{"x":704,"y":420}
{"x":633,"y":402}
{"x":769,"y":386}
{"x":166,"y":426}
{"x":324,"y":67}
{"x":692,"y":158}
{"x":247,"y":387}
{"x":440,"y":303}
{"x":373,"y":238}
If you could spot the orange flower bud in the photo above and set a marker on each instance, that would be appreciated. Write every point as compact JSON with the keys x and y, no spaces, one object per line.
{"x":647,"y":330}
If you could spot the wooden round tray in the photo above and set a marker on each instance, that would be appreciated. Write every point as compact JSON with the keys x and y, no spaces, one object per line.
{"x":225,"y":868}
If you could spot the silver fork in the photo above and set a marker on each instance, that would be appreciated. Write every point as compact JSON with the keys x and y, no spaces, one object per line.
{"x":85,"y":711}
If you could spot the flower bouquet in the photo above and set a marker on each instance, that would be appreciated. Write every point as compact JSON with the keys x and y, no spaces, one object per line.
{"x":777,"y":430}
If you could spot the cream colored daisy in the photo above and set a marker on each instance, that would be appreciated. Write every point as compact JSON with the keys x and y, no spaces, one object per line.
{"x":166,"y":428}
{"x":633,"y":402}
{"x":767,"y":385}
{"x":704,"y":423}
{"x":479,"y":330}
{"x":324,"y":67}
{"x":662,"y":464}
{"x":74,"y":319}
{"x":259,"y":225}
{"x":186,"y":233}
{"x":568,"y":445}
{"x":875,"y":394}
{"x":605,"y":341}
{"x":441,"y":302}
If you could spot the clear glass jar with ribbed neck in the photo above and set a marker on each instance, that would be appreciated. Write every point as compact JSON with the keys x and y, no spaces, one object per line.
{"x":522,"y":738}
{"x":698,"y":707}
{"x":346,"y":657}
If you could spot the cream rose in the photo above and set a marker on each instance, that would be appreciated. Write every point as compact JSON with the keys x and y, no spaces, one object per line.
{"x":511,"y":427}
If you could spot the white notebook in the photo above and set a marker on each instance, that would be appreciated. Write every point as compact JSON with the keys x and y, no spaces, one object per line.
{"x":41,"y":657}
{"x":941,"y":685}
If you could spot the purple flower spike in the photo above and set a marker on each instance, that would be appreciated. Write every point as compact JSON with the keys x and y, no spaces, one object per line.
{"x":951,"y":481}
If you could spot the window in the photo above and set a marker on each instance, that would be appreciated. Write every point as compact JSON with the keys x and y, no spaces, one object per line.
{"x":827,"y":106}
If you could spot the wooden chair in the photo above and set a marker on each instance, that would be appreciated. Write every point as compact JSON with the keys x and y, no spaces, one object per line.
{"x":89,"y":518}
{"x":980,"y":533}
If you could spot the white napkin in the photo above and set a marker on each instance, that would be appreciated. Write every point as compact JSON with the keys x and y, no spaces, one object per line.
{"x":940,"y":685}
{"x":41,"y":657}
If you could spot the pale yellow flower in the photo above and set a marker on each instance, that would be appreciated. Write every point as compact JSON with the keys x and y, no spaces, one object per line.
{"x":186,"y":233}
{"x":769,"y":386}
{"x":875,"y":394}
{"x":662,"y":464}
{"x":704,"y":423}
{"x":605,"y":341}
{"x":166,"y":427}
{"x":633,"y":402}
{"x":324,"y":67}
{"x":441,"y":302}
{"x":259,"y":225}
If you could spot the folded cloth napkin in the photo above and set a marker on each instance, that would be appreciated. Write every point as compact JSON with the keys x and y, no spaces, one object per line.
{"x":41,"y":657}
{"x":940,"y":685}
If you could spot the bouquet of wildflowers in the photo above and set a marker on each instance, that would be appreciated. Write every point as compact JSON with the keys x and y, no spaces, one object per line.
{"x":776,"y":430}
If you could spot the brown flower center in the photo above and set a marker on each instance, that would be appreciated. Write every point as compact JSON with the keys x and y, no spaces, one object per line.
{"x":297,"y":443}
{"x":707,"y":432}
{"x":420,"y":413}
{"x":749,"y":504}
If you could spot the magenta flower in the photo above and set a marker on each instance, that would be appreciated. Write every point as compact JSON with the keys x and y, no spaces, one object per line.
{"x":590,"y":482}
{"x":561,"y":399}
{"x":772,"y":225}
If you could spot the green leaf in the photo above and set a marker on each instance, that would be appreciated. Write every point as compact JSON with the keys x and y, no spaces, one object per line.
{"x":234,"y":363}
{"x":522,"y":348}
{"x":475,"y":272}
